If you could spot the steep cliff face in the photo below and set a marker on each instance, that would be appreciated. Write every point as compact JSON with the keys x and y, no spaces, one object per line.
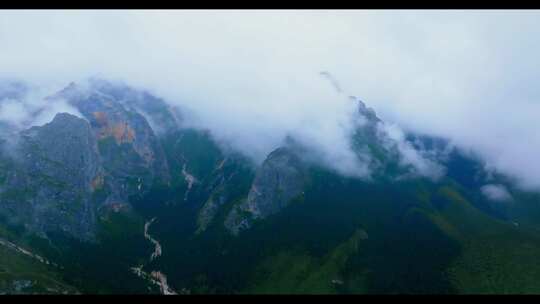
{"x":162,"y":117}
{"x":64,"y":172}
{"x":366,"y":139}
{"x":282,"y":176}
{"x":51,"y":185}
{"x":229,"y":182}
{"x":278,"y":181}
{"x":131,"y":154}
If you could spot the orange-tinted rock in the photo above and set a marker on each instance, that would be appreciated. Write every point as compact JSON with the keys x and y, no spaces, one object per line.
{"x":101,"y":118}
{"x":123,"y":133}
{"x":97,"y":182}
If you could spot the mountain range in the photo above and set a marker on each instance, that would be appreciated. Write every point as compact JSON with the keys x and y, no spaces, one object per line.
{"x":122,"y":196}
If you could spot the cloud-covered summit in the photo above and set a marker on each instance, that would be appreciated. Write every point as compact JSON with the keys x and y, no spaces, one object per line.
{"x":253,"y":77}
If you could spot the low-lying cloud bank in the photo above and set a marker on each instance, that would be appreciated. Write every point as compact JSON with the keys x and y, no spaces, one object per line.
{"x":253,"y":77}
{"x":497,"y":193}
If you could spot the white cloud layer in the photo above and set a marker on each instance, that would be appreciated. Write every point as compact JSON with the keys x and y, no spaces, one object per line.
{"x":497,"y":193}
{"x":419,"y":160}
{"x":253,"y":76}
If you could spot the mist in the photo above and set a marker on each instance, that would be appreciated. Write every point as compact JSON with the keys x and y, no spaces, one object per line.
{"x":253,"y":77}
{"x":496,"y":193}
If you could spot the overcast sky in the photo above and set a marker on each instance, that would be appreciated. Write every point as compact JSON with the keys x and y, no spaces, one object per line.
{"x":253,"y":76}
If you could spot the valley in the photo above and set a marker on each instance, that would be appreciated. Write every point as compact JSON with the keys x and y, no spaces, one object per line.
{"x":200,"y":218}
{"x":155,"y":277}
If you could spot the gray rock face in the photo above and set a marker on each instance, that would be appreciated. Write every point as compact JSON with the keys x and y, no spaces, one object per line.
{"x":366,"y":133}
{"x":210,"y":209}
{"x":64,"y":148}
{"x":51,"y":185}
{"x":280,"y":179}
{"x":131,"y":155}
{"x":228,"y":182}
{"x":367,"y":112}
{"x":368,"y":140}
{"x":66,"y":170}
{"x":161,"y":117}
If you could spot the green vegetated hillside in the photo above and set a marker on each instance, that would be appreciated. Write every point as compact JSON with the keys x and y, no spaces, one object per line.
{"x":346,"y":235}
{"x":21,"y":273}
{"x":163,"y":208}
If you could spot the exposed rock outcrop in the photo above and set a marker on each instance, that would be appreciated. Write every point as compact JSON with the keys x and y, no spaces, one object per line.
{"x":66,"y":170}
{"x":52,"y":183}
{"x":228,"y":182}
{"x":279,"y":180}
{"x":131,"y":154}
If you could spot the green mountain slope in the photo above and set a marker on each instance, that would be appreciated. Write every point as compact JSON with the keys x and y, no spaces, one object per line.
{"x":177,"y":212}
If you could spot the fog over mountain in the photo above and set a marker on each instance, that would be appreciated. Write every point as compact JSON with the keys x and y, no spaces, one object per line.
{"x":254,"y":77}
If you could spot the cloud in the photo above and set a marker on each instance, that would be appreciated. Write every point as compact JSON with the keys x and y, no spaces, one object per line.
{"x":24,"y":107}
{"x":422,"y":162}
{"x":13,"y":112}
{"x":497,"y":193}
{"x":252,"y":77}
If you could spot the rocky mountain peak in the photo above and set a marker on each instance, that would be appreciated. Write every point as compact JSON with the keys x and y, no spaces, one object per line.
{"x":63,"y":163}
{"x":128,"y":143}
{"x":278,"y":181}
{"x":51,"y":186}
{"x":68,"y":139}
{"x":365,"y":111}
